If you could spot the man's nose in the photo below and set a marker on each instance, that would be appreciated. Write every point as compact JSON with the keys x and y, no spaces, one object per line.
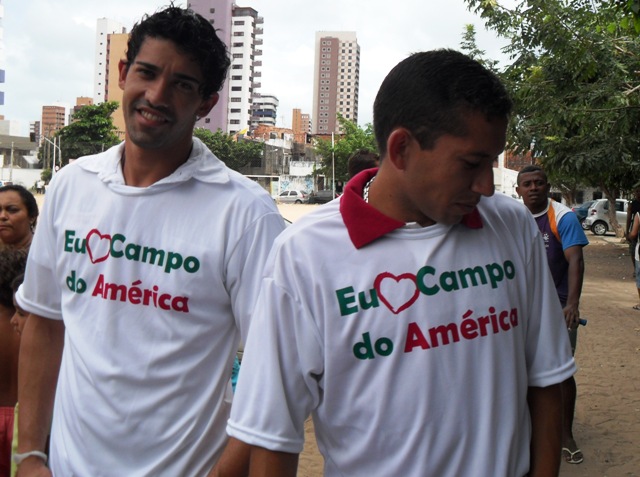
{"x":483,"y":183}
{"x":157,"y":92}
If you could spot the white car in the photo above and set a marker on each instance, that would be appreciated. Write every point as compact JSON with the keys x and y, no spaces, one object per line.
{"x":293,"y":197}
{"x":597,"y":219}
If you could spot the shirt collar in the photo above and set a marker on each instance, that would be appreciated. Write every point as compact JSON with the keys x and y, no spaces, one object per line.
{"x":365,"y":223}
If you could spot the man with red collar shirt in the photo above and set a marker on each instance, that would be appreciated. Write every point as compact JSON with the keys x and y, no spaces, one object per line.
{"x":414,"y":318}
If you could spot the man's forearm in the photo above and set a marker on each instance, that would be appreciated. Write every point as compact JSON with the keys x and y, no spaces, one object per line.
{"x":545,"y":406}
{"x":234,"y":461}
{"x":40,"y":354}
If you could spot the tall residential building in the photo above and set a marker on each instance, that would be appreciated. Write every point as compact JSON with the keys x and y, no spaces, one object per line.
{"x":2,"y":59}
{"x":265,"y":110}
{"x":104,"y":28}
{"x":300,"y":122}
{"x":240,"y":28}
{"x":116,"y":50}
{"x":53,"y":119}
{"x":336,"y":80}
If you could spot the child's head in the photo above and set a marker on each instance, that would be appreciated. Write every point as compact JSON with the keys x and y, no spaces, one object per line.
{"x":19,"y":318}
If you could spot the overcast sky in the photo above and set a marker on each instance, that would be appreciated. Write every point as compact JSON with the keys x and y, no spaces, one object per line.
{"x":49,"y":47}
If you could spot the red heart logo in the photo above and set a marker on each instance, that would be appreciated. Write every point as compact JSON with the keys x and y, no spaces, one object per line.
{"x":402,"y":290}
{"x":98,"y":246}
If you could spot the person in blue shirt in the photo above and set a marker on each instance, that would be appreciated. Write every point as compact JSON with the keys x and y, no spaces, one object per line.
{"x":563,"y":239}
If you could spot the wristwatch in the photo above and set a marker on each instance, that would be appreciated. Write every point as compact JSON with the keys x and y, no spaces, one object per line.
{"x":18,"y":458}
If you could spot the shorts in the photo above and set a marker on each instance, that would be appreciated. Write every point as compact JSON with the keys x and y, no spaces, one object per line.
{"x":637,"y":274}
{"x":6,"y":436}
{"x":632,"y":248}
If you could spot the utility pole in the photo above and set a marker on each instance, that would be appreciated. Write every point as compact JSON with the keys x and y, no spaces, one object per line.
{"x":11,"y":164}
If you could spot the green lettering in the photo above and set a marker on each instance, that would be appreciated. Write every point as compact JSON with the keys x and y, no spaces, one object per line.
{"x":117,"y":238}
{"x":426,"y":270}
{"x":346,"y":297}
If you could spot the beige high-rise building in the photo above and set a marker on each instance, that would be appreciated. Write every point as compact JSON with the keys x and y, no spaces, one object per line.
{"x":336,"y":80}
{"x":116,"y":51}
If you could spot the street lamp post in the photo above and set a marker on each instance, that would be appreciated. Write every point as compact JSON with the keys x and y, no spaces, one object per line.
{"x":55,"y":146}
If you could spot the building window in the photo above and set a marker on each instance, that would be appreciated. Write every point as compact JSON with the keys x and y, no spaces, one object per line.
{"x":236,"y":88}
{"x":234,"y":121}
{"x":235,"y":100}
{"x":240,"y":45}
{"x":238,"y":33}
{"x":237,"y":67}
{"x":238,"y":22}
{"x":237,"y":55}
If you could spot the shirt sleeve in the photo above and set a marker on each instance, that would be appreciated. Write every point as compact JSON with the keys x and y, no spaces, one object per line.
{"x":246,"y":266}
{"x":282,"y":370}
{"x":40,"y":291}
{"x":571,"y":232}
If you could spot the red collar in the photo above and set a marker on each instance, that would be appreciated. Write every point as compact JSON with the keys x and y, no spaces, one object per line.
{"x":365,"y":223}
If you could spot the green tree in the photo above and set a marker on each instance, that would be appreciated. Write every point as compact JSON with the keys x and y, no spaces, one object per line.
{"x":235,"y":154}
{"x":352,"y":139}
{"x":575,"y":89}
{"x":91,"y":131}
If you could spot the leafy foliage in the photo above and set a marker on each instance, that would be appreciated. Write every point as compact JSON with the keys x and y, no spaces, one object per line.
{"x":352,"y":139}
{"x":91,"y":131}
{"x":235,"y":154}
{"x":575,"y":87}
{"x":630,"y":15}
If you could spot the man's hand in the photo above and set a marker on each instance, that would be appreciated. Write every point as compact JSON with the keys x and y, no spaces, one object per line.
{"x":571,"y":316}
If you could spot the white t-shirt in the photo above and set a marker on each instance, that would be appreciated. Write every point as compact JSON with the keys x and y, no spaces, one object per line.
{"x":413,"y":353}
{"x":156,"y":287}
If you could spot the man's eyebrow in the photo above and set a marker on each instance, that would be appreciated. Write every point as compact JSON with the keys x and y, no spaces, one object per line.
{"x":182,"y":76}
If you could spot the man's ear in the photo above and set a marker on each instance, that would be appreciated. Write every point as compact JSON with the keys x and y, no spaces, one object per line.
{"x":123,"y":68}
{"x":399,"y":144}
{"x":518,"y":191}
{"x":207,"y":105}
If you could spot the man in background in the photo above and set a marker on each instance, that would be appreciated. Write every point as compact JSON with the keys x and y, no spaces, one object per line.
{"x":361,"y":160}
{"x":563,"y":239}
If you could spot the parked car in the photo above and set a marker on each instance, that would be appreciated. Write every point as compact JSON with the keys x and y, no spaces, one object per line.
{"x":322,"y":197}
{"x":293,"y":197}
{"x":598,"y":218}
{"x":581,"y":212}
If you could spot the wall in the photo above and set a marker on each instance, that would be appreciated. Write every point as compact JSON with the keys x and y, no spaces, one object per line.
{"x":23,"y":177}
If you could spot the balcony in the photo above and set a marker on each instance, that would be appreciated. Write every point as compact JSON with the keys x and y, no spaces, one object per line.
{"x":259,"y":20}
{"x":259,"y":31}
{"x":258,"y":53}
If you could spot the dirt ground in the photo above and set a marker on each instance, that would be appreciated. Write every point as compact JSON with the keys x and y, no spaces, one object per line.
{"x":607,"y":420}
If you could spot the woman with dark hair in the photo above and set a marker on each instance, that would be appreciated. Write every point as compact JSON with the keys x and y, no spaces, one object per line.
{"x":18,"y":216}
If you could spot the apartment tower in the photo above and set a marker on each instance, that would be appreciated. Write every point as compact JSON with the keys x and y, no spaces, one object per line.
{"x":104,"y":28}
{"x":53,"y":119}
{"x":265,"y":110}
{"x":240,"y":28}
{"x":336,"y":80}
